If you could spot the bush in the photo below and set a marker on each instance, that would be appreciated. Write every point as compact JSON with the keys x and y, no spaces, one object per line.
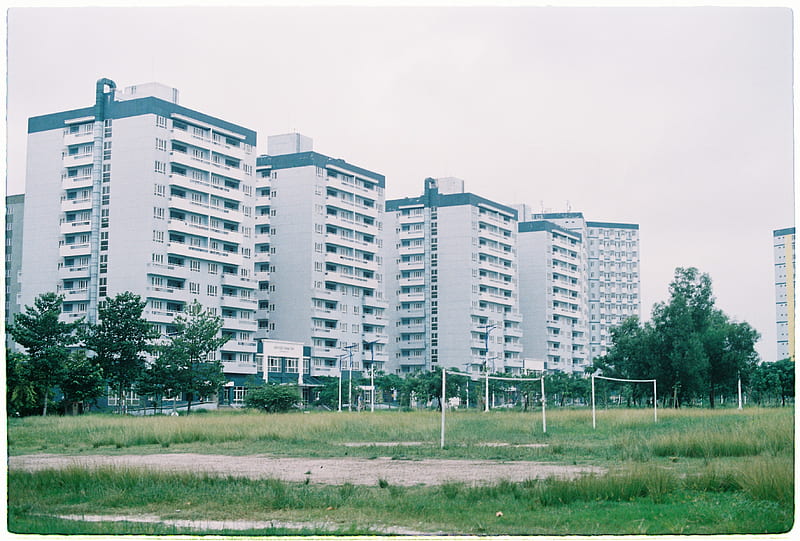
{"x":273,"y":398}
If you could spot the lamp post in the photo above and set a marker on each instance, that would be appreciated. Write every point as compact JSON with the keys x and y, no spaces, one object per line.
{"x":486,"y":330}
{"x":349,"y":378}
{"x":341,"y":358}
{"x":371,"y":345}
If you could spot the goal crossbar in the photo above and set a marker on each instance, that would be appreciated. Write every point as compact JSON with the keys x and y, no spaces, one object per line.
{"x":655,"y":394}
{"x":443,"y":401}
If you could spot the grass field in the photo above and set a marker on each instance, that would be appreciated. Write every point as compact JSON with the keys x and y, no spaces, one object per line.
{"x":693,"y":472}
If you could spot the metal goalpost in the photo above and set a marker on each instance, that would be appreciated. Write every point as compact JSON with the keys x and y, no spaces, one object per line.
{"x":444,"y":397}
{"x":655,"y":395}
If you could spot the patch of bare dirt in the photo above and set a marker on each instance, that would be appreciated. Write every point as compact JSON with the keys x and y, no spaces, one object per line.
{"x":211,"y":525}
{"x":332,"y":471}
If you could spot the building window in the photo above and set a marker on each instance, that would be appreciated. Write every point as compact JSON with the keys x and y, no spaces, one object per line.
{"x":273,"y":364}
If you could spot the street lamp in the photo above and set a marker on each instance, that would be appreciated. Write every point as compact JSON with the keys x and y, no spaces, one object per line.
{"x":372,"y":373}
{"x":341,"y":358}
{"x":349,"y":378}
{"x":487,"y":329}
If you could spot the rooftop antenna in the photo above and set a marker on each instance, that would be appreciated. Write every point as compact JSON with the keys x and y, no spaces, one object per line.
{"x":541,"y":203}
{"x":569,"y":207}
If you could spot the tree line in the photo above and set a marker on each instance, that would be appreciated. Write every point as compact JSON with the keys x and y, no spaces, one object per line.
{"x":693,"y":349}
{"x":118,"y":348}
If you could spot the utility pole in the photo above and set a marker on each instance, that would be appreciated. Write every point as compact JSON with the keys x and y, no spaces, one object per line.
{"x":487,"y":329}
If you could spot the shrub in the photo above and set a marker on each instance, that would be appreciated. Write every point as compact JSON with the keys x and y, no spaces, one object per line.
{"x":273,"y":398}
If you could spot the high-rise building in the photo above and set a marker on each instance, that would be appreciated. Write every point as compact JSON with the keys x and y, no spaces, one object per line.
{"x":612,"y":273}
{"x":137,"y":193}
{"x":319,"y":234}
{"x":15,"y":209}
{"x":451,"y":265}
{"x":553,"y":296}
{"x":783,"y":245}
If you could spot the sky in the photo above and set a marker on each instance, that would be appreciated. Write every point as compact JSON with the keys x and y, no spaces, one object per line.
{"x":676,"y":119}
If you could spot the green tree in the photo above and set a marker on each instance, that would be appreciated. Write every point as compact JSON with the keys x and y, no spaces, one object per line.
{"x":120,"y":341}
{"x":196,"y":334}
{"x":158,"y":381}
{"x":273,"y":398}
{"x":388,"y":385}
{"x":46,"y":340}
{"x":690,"y":347}
{"x":83,"y":381}
{"x":22,"y":397}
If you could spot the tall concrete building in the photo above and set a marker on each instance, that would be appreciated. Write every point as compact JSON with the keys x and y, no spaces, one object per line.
{"x":553,"y":296}
{"x":451,"y":263}
{"x":319,"y":235}
{"x":612,"y":273}
{"x":784,"y":250}
{"x":137,"y":193}
{"x":15,"y":211}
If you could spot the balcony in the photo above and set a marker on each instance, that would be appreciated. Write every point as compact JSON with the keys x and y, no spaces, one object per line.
{"x":71,"y":250}
{"x":66,"y":273}
{"x":71,"y":205}
{"x":238,"y":324}
{"x":411,"y":250}
{"x":411,"y":344}
{"x":69,"y":183}
{"x":68,"y":228}
{"x":77,"y":138}
{"x":411,"y":297}
{"x":236,"y":280}
{"x":173,"y":271}
{"x":77,"y":159}
{"x":373,"y":319}
{"x":411,"y":265}
{"x":238,"y":302}
{"x":239,"y":346}
{"x":350,"y":279}
{"x":71,"y":295}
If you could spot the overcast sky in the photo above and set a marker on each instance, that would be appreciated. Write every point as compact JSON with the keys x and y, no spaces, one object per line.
{"x":677,"y":119}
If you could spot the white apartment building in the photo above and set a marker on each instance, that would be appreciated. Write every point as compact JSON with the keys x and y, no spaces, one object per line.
{"x":784,"y":250}
{"x":612,"y":273}
{"x":319,"y":231}
{"x":451,"y":268}
{"x":553,"y":296}
{"x":138,"y":193}
{"x":15,"y":211}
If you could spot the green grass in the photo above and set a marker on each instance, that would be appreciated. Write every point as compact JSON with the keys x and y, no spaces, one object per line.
{"x":693,"y":472}
{"x":662,"y":502}
{"x":620,"y":434}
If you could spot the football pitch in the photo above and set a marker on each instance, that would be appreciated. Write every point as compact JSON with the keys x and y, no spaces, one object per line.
{"x":694,"y":471}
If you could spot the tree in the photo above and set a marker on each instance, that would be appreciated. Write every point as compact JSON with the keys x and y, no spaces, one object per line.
{"x":46,"y":340}
{"x":120,"y":342}
{"x":159,"y":380}
{"x":196,"y":335}
{"x":273,"y":398}
{"x":82,"y":381}
{"x":689,"y":347}
{"x":22,"y":397}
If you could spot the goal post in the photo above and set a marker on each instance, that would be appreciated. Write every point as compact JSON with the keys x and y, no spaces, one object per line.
{"x":655,"y":395}
{"x":443,"y":401}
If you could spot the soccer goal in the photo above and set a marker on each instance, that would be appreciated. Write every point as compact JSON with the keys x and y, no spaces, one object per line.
{"x":444,"y":400}
{"x":655,"y":395}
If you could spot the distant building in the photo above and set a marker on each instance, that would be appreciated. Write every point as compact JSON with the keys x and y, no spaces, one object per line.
{"x":137,"y":193}
{"x":553,"y":296}
{"x":451,"y":265}
{"x":319,"y":234}
{"x":784,"y":249}
{"x":612,"y":273}
{"x":15,"y":209}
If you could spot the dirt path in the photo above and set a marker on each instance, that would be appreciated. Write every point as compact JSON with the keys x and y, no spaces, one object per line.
{"x":334,"y":471}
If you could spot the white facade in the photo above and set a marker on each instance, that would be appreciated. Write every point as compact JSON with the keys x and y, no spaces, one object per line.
{"x":452,"y":268}
{"x":15,"y":211}
{"x":320,"y":272}
{"x":140,"y":194}
{"x":553,"y":296}
{"x":784,"y":250}
{"x":612,"y":255}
